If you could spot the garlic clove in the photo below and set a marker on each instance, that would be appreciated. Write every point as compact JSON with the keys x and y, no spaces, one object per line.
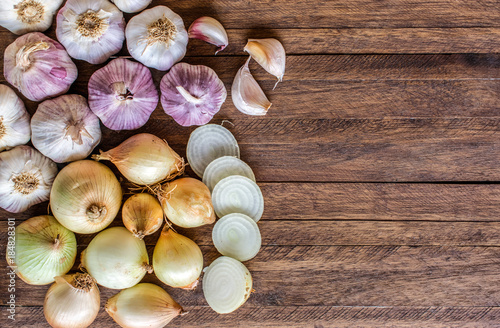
{"x":14,"y":119}
{"x":270,"y":54}
{"x":192,"y":94}
{"x":131,"y":6}
{"x":26,"y":178}
{"x":246,"y":93}
{"x":22,"y":16}
{"x":65,"y":129}
{"x":209,"y":30}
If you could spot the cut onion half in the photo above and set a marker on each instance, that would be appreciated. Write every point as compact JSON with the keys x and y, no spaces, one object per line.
{"x":209,"y":142}
{"x":236,"y":235}
{"x":227,"y":284}
{"x":238,"y":194}
{"x":223,"y":167}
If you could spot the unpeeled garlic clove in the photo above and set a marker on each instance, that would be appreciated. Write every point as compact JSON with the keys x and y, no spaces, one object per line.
{"x":270,"y":54}
{"x":247,"y":95}
{"x":209,"y":30}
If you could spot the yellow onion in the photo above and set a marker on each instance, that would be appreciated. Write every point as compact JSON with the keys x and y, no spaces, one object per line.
{"x":177,"y":260}
{"x":42,"y":250}
{"x":187,"y":203}
{"x":85,"y":196}
{"x":141,"y":306}
{"x":142,"y":215}
{"x":144,"y":159}
{"x":72,"y":301}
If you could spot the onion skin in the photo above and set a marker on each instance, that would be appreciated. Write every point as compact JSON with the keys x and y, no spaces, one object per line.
{"x":187,"y":203}
{"x":142,"y":215}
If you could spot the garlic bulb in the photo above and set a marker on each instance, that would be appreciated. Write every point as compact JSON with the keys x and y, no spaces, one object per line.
{"x":22,"y":16}
{"x":38,"y":66}
{"x":142,"y":215}
{"x":270,"y":54}
{"x":157,"y":38}
{"x":123,"y":94}
{"x":14,"y":119}
{"x":131,"y":6}
{"x":64,"y":129}
{"x":177,"y":260}
{"x":209,"y":30}
{"x":246,"y":93}
{"x":144,"y":159}
{"x":26,"y":177}
{"x":85,"y":197}
{"x":72,"y":301}
{"x":141,"y":306}
{"x":43,"y":250}
{"x":91,"y":30}
{"x":116,"y":259}
{"x":187,"y":203}
{"x":191,"y":94}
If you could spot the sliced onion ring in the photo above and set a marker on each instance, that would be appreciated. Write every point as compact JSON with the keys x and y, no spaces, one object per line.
{"x":227,"y":284}
{"x":209,"y":142}
{"x":236,"y":235}
{"x":223,"y":167}
{"x":238,"y":194}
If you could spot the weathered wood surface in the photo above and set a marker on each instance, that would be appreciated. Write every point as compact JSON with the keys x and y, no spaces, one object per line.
{"x":379,"y":163}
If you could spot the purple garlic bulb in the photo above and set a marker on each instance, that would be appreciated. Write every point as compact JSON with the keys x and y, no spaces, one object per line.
{"x":122,"y":94}
{"x":191,"y":94}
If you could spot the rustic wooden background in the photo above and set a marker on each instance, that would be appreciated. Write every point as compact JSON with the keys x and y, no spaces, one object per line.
{"x":379,"y":164}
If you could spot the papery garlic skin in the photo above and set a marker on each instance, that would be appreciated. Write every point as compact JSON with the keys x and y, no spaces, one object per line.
{"x":270,"y":54}
{"x":14,"y":119}
{"x":209,"y":30}
{"x":131,"y":6}
{"x":22,"y":16}
{"x":246,"y":93}
{"x":192,"y":94}
{"x":43,"y":249}
{"x":90,"y":30}
{"x":143,"y":306}
{"x":72,"y":301}
{"x":122,"y":94}
{"x":157,"y":38}
{"x":38,"y":66}
{"x":26,"y":178}
{"x":65,"y":129}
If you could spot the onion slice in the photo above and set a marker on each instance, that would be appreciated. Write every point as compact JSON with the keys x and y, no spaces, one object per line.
{"x":227,"y":284}
{"x":207,"y":143}
{"x":223,"y":167}
{"x":238,"y":194}
{"x":236,"y":235}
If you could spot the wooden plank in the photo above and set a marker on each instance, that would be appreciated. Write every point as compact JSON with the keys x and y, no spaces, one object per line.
{"x":308,"y":316}
{"x":348,"y":276}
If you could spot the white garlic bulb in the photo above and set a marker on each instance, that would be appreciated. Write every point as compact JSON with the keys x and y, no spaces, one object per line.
{"x":131,"y":6}
{"x":91,"y":30}
{"x":14,"y":119}
{"x":26,"y":178}
{"x":22,"y":16}
{"x":65,"y":129}
{"x":157,"y":38}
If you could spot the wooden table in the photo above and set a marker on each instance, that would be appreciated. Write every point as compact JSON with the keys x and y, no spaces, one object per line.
{"x":379,"y":164}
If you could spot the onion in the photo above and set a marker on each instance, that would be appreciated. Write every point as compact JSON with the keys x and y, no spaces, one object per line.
{"x":116,"y":259}
{"x":142,"y":215}
{"x":144,"y":305}
{"x":43,"y":250}
{"x":238,"y":194}
{"x":237,"y":235}
{"x":223,"y":167}
{"x":85,"y":196}
{"x":144,"y":159}
{"x":177,"y":260}
{"x":187,"y":203}
{"x":207,"y":143}
{"x":72,"y":301}
{"x":227,"y":284}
